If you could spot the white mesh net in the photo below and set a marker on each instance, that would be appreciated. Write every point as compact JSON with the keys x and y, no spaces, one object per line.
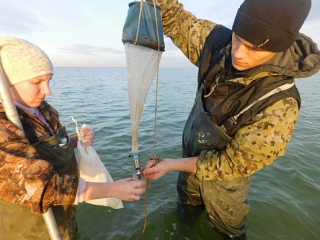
{"x":142,"y":65}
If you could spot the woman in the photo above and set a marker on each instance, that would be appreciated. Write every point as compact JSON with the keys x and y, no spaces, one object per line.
{"x":38,"y":169}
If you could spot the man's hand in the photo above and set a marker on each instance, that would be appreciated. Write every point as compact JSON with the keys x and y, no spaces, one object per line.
{"x":156,"y":170}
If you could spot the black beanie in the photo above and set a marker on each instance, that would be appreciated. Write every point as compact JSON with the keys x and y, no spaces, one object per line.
{"x":272,"y":25}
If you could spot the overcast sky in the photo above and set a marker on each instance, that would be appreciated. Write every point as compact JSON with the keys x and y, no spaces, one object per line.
{"x":82,"y":33}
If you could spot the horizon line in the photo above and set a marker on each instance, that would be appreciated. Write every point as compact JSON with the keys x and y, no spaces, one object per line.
{"x":120,"y":67}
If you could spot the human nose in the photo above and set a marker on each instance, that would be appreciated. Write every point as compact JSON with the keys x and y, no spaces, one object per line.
{"x":46,"y":89}
{"x":240,"y":51}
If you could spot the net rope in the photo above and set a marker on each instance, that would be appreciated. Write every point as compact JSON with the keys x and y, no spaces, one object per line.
{"x":156,"y":100}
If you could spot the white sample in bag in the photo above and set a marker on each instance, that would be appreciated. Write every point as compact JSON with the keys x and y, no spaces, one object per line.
{"x":93,"y":170}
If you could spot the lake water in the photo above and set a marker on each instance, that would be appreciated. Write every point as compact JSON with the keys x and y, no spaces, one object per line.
{"x":284,"y":197}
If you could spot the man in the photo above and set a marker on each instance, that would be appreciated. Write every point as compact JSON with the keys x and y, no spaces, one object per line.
{"x":247,"y":103}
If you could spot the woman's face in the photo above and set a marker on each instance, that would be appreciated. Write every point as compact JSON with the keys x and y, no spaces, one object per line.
{"x":31,"y":92}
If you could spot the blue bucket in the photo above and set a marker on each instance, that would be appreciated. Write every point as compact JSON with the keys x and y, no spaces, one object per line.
{"x":147,"y":36}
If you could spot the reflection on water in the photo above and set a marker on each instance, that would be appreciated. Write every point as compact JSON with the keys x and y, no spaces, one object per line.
{"x":284,"y":197}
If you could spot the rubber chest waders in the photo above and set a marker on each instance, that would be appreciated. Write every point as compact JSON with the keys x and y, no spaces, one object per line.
{"x":225,"y":201}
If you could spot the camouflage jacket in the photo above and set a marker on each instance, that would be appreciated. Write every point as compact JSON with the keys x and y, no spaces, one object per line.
{"x":257,"y":144}
{"x":24,"y":178}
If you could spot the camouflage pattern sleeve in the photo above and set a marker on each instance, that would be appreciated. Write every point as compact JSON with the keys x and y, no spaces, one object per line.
{"x":50,"y":114}
{"x":254,"y":146}
{"x":186,"y":31}
{"x":24,"y":178}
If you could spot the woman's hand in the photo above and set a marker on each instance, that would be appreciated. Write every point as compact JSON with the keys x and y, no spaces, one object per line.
{"x":124,"y":189}
{"x":129,"y":190}
{"x":88,"y":136}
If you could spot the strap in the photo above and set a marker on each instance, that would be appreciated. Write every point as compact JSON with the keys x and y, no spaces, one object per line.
{"x":29,"y":131}
{"x":274,"y":91}
{"x":232,"y":121}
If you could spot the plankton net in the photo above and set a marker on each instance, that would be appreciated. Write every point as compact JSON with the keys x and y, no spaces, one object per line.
{"x":143,"y":40}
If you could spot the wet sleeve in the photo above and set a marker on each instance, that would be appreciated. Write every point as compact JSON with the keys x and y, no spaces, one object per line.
{"x":27,"y":180}
{"x":254,"y":146}
{"x":186,"y":31}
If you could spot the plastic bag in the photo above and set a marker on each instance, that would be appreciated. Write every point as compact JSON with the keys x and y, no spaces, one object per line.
{"x":93,"y":170}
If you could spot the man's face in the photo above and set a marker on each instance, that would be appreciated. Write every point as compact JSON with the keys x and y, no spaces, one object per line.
{"x":245,"y":55}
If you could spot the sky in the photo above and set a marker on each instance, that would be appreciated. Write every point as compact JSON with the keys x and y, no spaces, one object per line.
{"x":82,"y":33}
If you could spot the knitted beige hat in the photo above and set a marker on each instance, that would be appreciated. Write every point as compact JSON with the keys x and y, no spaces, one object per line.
{"x":21,"y":60}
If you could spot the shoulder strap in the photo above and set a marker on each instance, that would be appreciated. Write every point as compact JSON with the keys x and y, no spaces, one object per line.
{"x":209,"y":65}
{"x":231,"y":124}
{"x":29,"y":131}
